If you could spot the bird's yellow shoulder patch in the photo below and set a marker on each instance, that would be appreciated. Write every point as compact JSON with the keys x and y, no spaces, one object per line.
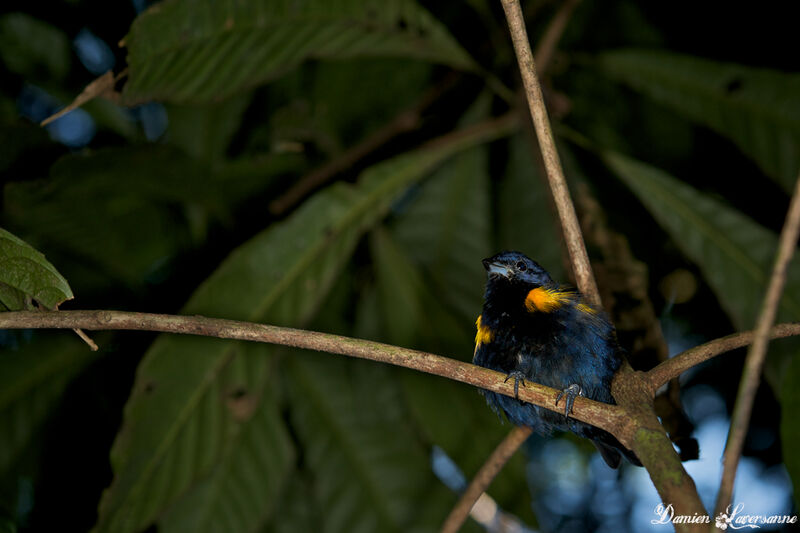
{"x":546,"y":300}
{"x":484,"y":334}
{"x":586,"y":309}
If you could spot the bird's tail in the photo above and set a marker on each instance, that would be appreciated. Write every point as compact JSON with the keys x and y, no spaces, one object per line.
{"x":611,"y":450}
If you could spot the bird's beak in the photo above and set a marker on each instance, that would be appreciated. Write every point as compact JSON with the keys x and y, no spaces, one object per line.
{"x":496,"y":268}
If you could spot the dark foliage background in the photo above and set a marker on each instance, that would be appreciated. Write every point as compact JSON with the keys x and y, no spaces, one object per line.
{"x":679,"y":129}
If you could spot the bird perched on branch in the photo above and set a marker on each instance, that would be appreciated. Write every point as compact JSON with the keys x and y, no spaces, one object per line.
{"x":532,"y":329}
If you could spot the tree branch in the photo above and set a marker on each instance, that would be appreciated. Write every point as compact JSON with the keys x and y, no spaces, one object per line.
{"x":555,"y":174}
{"x":611,"y":418}
{"x":654,"y":449}
{"x":566,"y":212}
{"x":674,"y":367}
{"x":552,"y":35}
{"x":484,"y":477}
{"x":407,"y":120}
{"x":751,"y":375}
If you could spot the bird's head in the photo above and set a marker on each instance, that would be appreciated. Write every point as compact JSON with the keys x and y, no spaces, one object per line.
{"x":518,"y":286}
{"x":515,"y":269}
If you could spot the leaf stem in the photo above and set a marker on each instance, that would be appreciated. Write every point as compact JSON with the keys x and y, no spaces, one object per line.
{"x":564,"y":206}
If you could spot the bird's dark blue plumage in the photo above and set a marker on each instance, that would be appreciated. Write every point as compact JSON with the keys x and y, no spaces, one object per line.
{"x":533,"y":329}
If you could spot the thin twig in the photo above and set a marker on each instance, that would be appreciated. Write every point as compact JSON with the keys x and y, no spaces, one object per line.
{"x":674,"y":367}
{"x":611,"y":418}
{"x":484,"y":477}
{"x":751,"y":376}
{"x":555,"y":174}
{"x":85,"y":338}
{"x":566,"y":211}
{"x":552,"y":35}
{"x":407,"y":120}
{"x":629,"y":389}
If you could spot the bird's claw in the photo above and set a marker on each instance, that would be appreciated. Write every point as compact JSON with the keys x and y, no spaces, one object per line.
{"x":519,"y":377}
{"x":570,"y":393}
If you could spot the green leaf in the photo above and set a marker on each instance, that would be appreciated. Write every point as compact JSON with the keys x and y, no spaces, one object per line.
{"x":177,"y":429}
{"x":359,"y":96}
{"x":255,"y":467}
{"x":32,"y":379}
{"x":33,"y":48}
{"x":247,"y":177}
{"x":366,"y":462}
{"x":450,"y":415}
{"x":399,"y":289}
{"x":456,"y":418}
{"x":25,"y":273}
{"x":446,"y":226}
{"x":734,"y":253}
{"x":446,"y":229}
{"x":758,"y":109}
{"x":299,"y":510}
{"x":205,"y":131}
{"x":120,"y":212}
{"x":187,"y":50}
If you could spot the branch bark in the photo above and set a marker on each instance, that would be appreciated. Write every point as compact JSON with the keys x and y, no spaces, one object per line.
{"x":555,"y":174}
{"x":751,"y":376}
{"x":552,"y":35}
{"x":609,"y":417}
{"x":674,"y":367}
{"x":566,"y":212}
{"x":638,"y":429}
{"x":630,"y":389}
{"x":407,"y":120}
{"x":484,"y":477}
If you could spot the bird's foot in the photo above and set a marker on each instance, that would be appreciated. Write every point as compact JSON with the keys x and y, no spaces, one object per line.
{"x":569,"y":394}
{"x":519,"y":377}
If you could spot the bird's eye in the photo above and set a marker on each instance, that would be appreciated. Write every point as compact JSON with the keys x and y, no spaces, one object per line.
{"x":521,"y":266}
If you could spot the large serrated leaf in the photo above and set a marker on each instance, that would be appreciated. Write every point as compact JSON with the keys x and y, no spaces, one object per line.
{"x":183,"y":50}
{"x":149,"y":193}
{"x":736,"y":256}
{"x":446,"y":230}
{"x":447,"y":414}
{"x":758,"y":109}
{"x":734,"y":252}
{"x":31,"y":381}
{"x":366,"y":462}
{"x":257,"y":464}
{"x":25,"y":274}
{"x":177,"y":427}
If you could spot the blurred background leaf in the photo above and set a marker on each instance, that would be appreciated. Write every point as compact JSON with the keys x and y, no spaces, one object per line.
{"x":757,"y":109}
{"x":32,"y":379}
{"x":281,"y":276}
{"x":33,"y":48}
{"x":151,"y":206}
{"x":734,"y":252}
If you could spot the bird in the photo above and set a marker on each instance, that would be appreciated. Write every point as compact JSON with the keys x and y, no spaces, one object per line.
{"x":533,"y":329}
